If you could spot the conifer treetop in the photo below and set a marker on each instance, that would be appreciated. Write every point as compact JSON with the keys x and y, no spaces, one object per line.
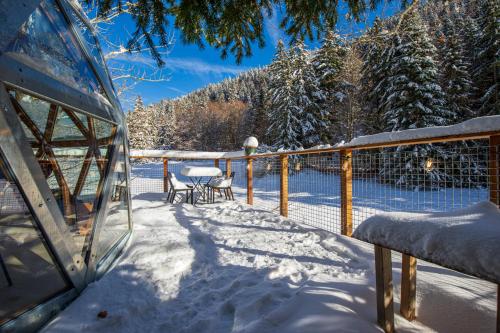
{"x":230,"y":26}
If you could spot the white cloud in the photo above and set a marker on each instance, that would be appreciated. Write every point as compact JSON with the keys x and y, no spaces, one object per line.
{"x":180,"y":91}
{"x":196,"y":66}
{"x":187,"y":65}
{"x":273,"y":27}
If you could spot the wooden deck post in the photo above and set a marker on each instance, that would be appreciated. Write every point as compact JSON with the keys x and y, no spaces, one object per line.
{"x":249,"y":181}
{"x":284,"y":186}
{"x":408,"y":287}
{"x":493,"y":169}
{"x":165,"y":174}
{"x":346,"y":192}
{"x":216,"y":163}
{"x":385,"y":301}
{"x":228,"y":168}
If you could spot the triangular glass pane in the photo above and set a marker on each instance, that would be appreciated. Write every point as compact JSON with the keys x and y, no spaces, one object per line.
{"x":29,"y":274}
{"x":117,"y":220}
{"x":27,"y":132}
{"x":70,"y":161}
{"x":103,"y":129}
{"x":86,"y":200}
{"x":37,"y":109}
{"x":84,"y":119}
{"x":91,"y":42}
{"x":89,"y":190}
{"x":66,"y":129}
{"x":46,"y":43}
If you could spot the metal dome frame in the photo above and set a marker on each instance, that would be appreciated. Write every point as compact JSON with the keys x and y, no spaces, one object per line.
{"x":79,"y":268}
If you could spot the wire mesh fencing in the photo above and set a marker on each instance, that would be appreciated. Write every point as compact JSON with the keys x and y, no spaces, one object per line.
{"x":413,"y":178}
{"x":314,"y":190}
{"x":266,"y":184}
{"x":407,"y":180}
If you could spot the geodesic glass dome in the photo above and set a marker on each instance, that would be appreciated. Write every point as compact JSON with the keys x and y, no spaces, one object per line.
{"x":64,"y":200}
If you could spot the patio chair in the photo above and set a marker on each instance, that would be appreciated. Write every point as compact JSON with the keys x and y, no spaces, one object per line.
{"x":177,"y":186}
{"x":221,"y":184}
{"x":214,"y":181}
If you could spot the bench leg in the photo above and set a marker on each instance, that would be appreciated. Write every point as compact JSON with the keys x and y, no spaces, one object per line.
{"x":408,"y":287}
{"x":383,"y":276}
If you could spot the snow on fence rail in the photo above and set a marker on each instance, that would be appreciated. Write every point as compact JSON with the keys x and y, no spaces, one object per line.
{"x":336,"y":188}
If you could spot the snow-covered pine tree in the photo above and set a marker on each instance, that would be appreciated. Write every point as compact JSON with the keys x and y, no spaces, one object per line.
{"x":414,"y":99}
{"x":456,"y":80}
{"x":142,"y":132}
{"x":470,"y":35}
{"x":347,"y":105}
{"x":464,"y":163}
{"x":375,"y":73}
{"x":328,"y":62}
{"x":308,"y":95}
{"x":487,"y":71}
{"x":166,"y":123}
{"x":285,"y":126}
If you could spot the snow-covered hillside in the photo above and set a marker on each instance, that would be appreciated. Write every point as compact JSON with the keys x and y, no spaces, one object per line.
{"x":231,"y":268}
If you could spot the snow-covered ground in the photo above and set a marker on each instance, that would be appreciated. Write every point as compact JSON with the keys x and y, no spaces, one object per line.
{"x":229,"y":267}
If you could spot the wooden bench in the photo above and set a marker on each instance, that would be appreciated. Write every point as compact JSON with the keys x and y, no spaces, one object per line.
{"x":445,"y":239}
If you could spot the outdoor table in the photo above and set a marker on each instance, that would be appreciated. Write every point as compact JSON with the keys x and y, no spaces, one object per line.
{"x":197,"y":175}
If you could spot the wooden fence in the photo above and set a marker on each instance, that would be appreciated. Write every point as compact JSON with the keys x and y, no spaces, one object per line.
{"x":345,"y":156}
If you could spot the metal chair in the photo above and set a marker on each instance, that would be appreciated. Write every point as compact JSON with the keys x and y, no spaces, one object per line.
{"x":177,"y":186}
{"x":213,"y":181}
{"x":222,"y":184}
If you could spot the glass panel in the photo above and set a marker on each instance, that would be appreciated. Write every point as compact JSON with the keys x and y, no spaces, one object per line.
{"x":70,"y":160}
{"x":46,"y":43}
{"x":66,"y":129}
{"x":91,"y":42}
{"x":73,"y":164}
{"x":116,"y":223}
{"x":28,"y":272}
{"x":37,"y":109}
{"x":27,"y":132}
{"x":103,"y":129}
{"x":85,"y":201}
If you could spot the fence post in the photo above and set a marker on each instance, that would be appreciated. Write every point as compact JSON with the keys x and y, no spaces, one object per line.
{"x":346,"y":192}
{"x":384,"y":288}
{"x":493,"y":169}
{"x":216,"y":163}
{"x":408,"y":287}
{"x":228,"y":167}
{"x":165,"y":174}
{"x":249,"y":180}
{"x":284,"y":186}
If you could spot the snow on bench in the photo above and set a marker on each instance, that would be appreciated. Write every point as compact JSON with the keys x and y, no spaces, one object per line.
{"x":466,"y":240}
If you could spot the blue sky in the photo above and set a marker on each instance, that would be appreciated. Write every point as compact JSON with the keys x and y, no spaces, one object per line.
{"x":189,"y":67}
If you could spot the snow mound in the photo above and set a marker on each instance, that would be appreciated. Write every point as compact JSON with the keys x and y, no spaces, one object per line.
{"x":464,"y":239}
{"x":251,"y":142}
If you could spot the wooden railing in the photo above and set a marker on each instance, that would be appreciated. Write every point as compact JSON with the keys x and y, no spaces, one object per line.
{"x":472,"y":130}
